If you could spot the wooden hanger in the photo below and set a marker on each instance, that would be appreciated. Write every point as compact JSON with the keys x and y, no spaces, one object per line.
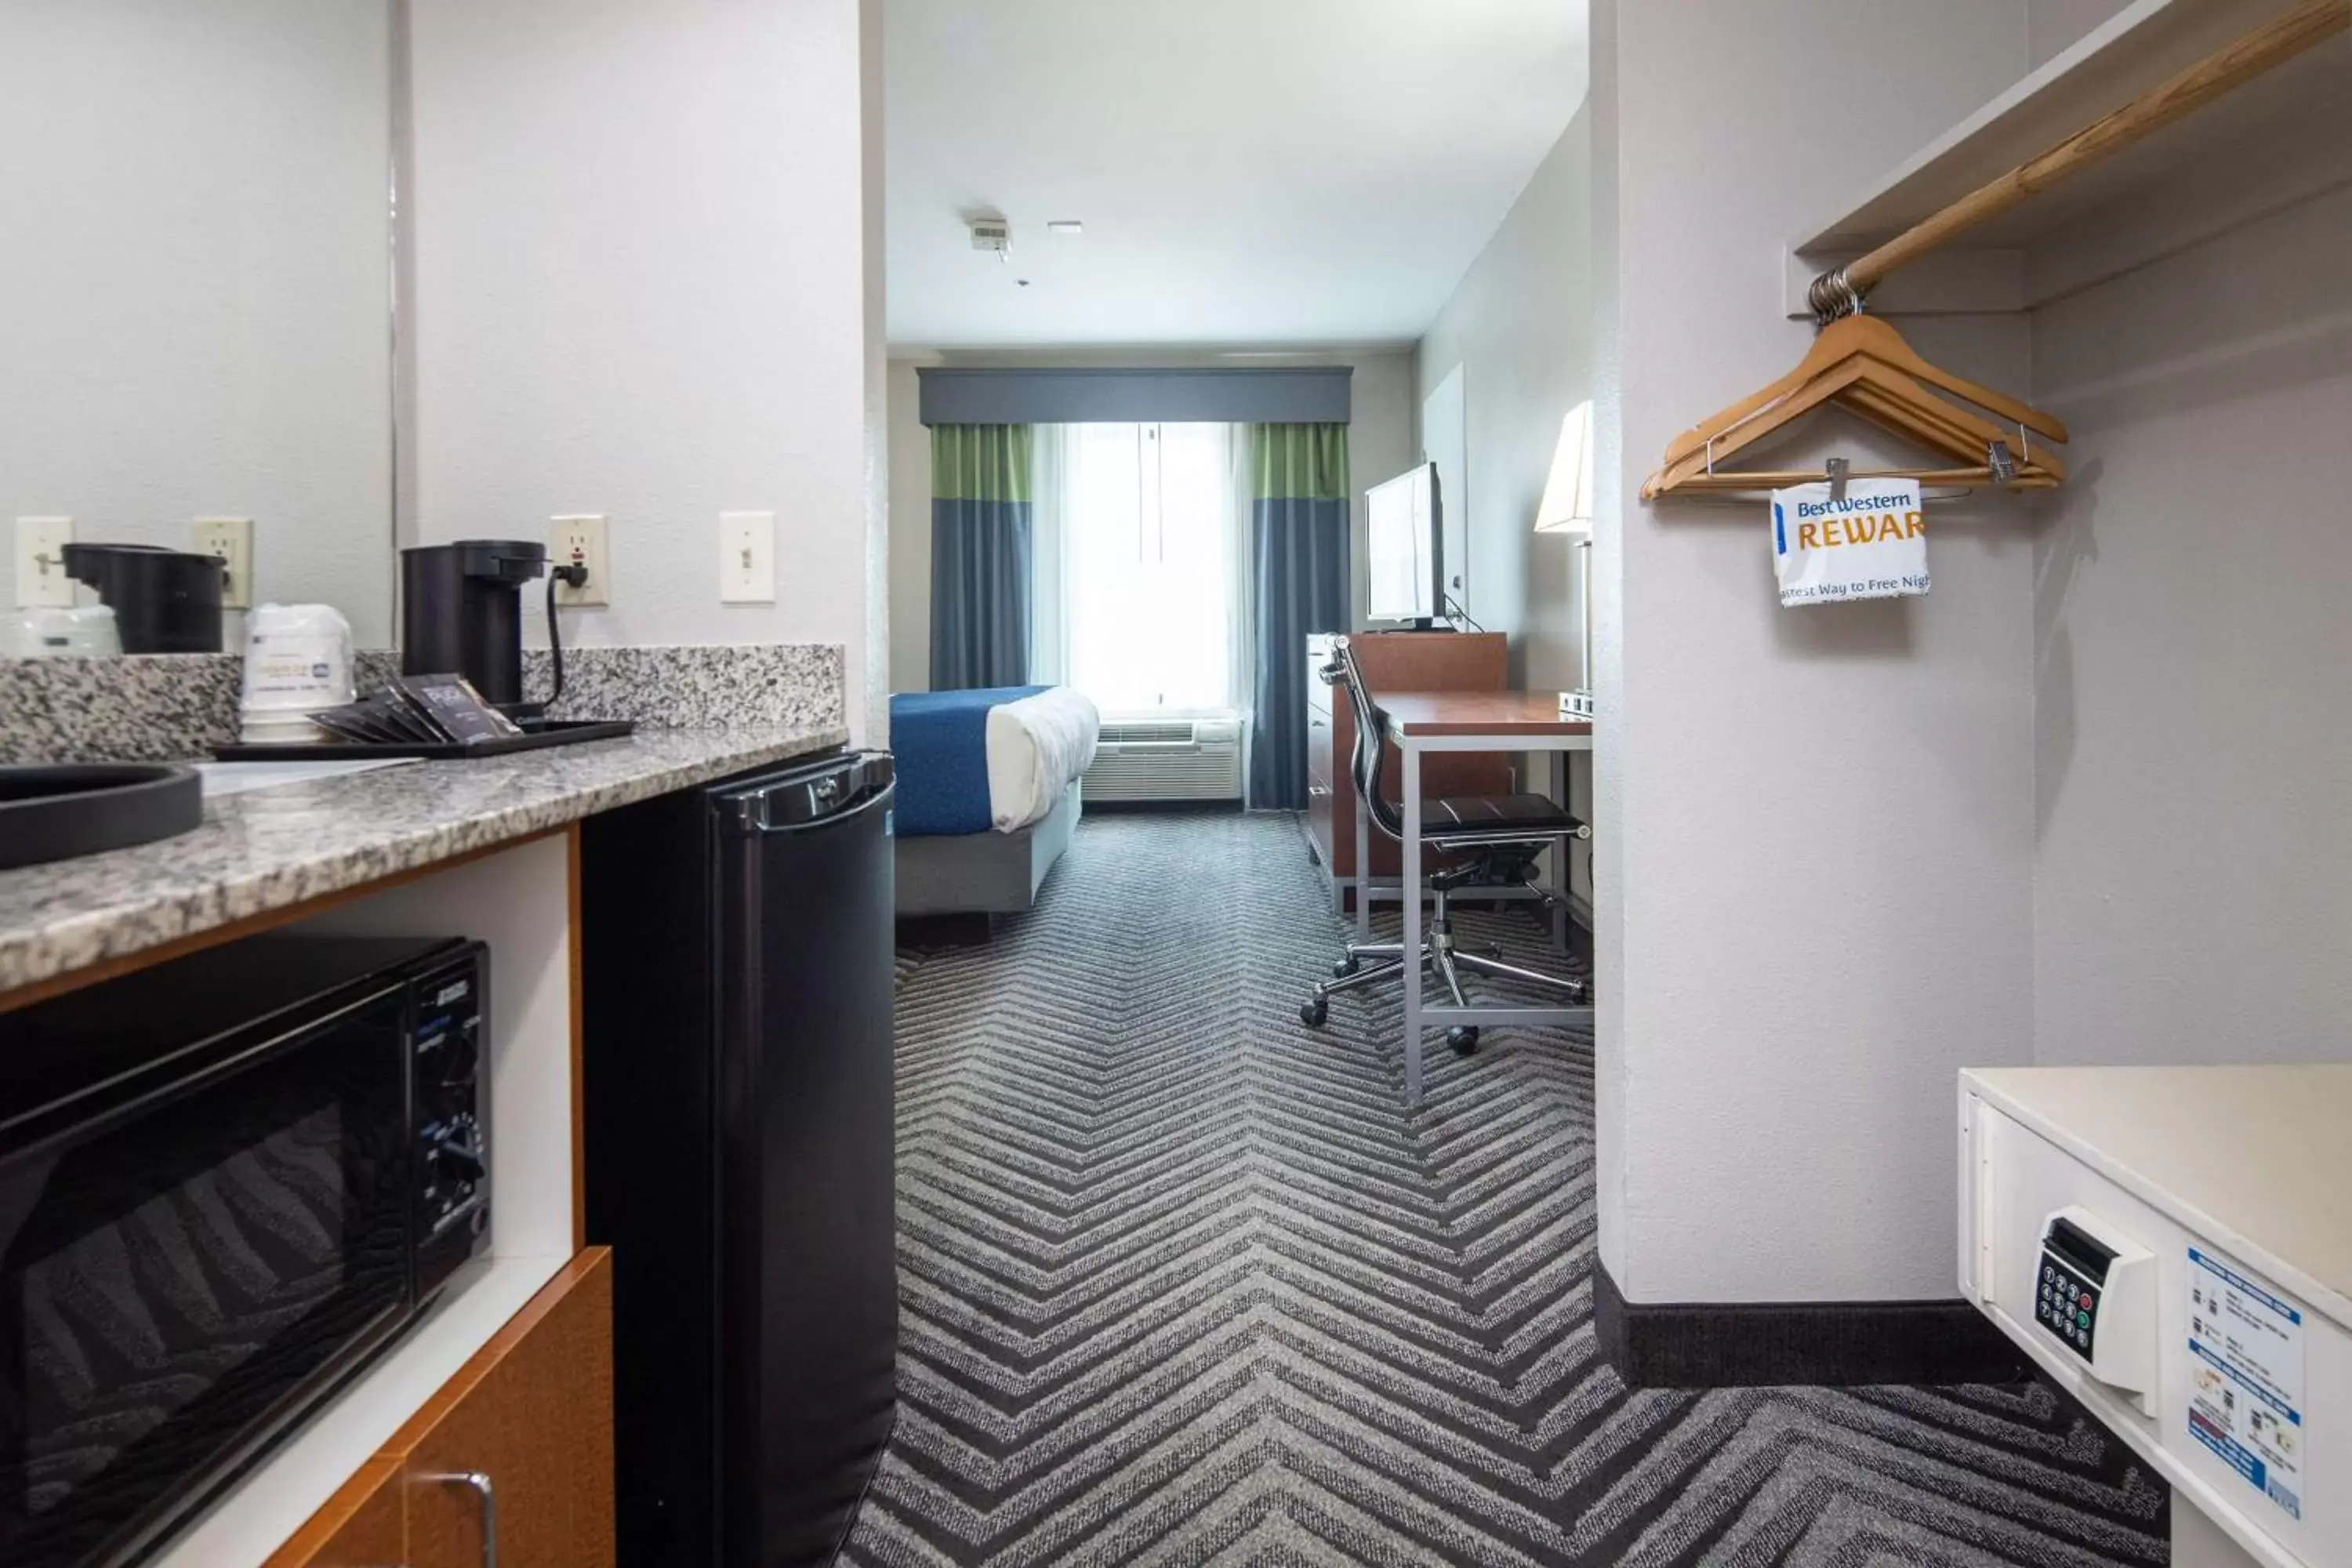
{"x":1861,"y":334}
{"x":1864,"y":365}
{"x":1968,"y":437}
{"x":1887,"y":398}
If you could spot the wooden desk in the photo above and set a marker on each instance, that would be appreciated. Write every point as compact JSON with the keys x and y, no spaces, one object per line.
{"x":1390,"y":661}
{"x":1426,"y":722}
{"x":1514,"y":715}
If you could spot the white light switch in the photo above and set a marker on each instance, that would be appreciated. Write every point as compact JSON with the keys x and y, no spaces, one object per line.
{"x":41,"y":580}
{"x":746,"y":558}
{"x":580,"y":541}
{"x":231,"y":539}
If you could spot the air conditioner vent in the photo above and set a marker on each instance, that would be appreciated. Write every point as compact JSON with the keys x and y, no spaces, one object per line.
{"x":1147,"y":734}
{"x":1167,"y":760}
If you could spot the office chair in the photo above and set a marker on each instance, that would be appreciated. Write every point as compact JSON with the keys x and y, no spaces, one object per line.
{"x":1498,"y":839}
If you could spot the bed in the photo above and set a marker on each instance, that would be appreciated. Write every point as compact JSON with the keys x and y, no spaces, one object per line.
{"x":988,"y":794}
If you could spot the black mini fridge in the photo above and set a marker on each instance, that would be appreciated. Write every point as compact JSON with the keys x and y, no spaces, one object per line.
{"x":737,"y":1084}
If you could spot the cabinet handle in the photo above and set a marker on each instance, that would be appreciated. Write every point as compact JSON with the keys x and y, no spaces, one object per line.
{"x":478,"y":1484}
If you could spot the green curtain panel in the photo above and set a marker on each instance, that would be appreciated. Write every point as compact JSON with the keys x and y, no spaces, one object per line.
{"x":982,"y":550}
{"x":1299,"y":490}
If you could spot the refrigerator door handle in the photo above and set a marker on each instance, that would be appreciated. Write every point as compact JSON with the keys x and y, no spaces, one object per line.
{"x":750,"y":813}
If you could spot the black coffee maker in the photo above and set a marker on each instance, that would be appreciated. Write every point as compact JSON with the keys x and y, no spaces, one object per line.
{"x":461,"y":611}
{"x":164,"y":601}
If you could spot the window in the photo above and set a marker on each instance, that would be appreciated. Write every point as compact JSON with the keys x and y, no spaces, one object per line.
{"x":1151,"y":606}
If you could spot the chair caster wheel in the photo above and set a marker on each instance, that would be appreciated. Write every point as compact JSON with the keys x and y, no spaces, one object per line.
{"x":1346,"y":966}
{"x":1313,"y":1012}
{"x":1464,"y":1038}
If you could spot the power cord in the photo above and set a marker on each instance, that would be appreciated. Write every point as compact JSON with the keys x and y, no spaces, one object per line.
{"x":1456,"y":611}
{"x":569,"y":576}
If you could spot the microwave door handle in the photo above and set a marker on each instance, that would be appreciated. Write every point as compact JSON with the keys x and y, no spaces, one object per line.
{"x":478,"y":1484}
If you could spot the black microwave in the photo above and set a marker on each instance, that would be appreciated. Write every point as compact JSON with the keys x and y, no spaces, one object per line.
{"x":226,"y":1182}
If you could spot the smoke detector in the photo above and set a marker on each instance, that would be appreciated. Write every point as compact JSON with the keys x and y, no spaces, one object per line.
{"x":991,"y":234}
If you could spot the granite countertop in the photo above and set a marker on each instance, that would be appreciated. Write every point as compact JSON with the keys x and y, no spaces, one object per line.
{"x":267,"y":849}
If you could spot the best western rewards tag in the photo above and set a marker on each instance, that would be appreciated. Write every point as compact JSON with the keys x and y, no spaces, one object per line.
{"x":1870,"y":545}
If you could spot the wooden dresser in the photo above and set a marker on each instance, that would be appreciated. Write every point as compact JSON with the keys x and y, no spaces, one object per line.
{"x":1391,"y":662}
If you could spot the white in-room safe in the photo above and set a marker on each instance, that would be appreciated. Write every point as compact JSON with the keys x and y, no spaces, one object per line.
{"x":2173,"y":1246}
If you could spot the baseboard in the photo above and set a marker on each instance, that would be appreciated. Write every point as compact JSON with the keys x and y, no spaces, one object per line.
{"x":1838,"y":1343}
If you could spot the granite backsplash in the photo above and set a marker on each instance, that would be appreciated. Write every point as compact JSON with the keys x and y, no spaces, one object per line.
{"x":166,"y":708}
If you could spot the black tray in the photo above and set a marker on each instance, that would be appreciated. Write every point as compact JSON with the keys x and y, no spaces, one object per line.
{"x":561,"y":734}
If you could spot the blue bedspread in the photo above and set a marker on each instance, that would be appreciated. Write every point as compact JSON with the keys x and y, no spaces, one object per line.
{"x":940,"y":740}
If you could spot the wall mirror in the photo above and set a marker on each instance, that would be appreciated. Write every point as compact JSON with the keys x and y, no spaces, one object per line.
{"x":195,"y":288}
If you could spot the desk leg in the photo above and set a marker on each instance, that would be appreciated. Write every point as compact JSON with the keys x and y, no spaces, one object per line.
{"x":1363,"y":872}
{"x":1560,"y":879}
{"x":1410,"y":755}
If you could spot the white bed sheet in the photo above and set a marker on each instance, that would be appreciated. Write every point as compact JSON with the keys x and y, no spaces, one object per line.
{"x":1037,"y":748}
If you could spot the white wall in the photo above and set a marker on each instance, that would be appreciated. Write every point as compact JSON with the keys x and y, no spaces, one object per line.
{"x":2193,"y":644}
{"x":193,"y":283}
{"x":644,"y":274}
{"x":875,"y":406}
{"x":1519,"y":328}
{"x":910,"y":534}
{"x":1380,"y":447}
{"x":1817,"y":826}
{"x":2051,"y":25}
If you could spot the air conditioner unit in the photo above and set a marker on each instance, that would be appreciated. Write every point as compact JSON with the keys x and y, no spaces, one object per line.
{"x":1166,"y":760}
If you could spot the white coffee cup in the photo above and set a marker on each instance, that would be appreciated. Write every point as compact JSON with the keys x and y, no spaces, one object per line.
{"x":297,"y":660}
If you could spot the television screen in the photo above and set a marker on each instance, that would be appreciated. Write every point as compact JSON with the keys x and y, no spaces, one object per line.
{"x":1402,"y":534}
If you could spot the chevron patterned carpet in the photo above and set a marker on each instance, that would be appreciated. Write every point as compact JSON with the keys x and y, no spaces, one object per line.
{"x":1184,"y":1284}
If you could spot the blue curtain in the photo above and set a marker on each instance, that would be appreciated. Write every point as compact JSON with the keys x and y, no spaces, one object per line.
{"x":981,"y":555}
{"x":1300,"y":533}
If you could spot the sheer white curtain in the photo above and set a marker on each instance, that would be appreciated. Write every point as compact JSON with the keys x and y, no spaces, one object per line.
{"x":1049,"y":625}
{"x":1142,"y":567}
{"x":1241,"y":550}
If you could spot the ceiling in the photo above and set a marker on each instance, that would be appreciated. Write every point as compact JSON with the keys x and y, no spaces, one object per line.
{"x":1250,"y":173}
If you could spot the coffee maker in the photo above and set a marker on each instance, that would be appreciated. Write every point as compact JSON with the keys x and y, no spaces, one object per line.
{"x":164,"y":601}
{"x":461,"y":611}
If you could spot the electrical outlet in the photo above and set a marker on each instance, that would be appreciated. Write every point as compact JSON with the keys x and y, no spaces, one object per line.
{"x":231,"y":539}
{"x":41,"y":580}
{"x":746,"y":558}
{"x":580,"y":541}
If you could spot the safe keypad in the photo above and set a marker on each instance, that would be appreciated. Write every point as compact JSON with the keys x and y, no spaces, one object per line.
{"x":2067,"y":1305}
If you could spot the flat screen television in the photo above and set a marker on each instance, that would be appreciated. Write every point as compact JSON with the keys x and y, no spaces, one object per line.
{"x":1403,"y":543}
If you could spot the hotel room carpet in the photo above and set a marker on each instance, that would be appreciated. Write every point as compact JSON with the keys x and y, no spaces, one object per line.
{"x":1182,"y":1282}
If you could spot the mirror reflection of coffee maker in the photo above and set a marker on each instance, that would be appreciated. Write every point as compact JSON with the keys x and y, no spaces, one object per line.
{"x":461,"y":611}
{"x":164,"y":601}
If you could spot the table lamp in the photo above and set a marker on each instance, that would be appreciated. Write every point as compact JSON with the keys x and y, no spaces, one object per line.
{"x":1567,"y":508}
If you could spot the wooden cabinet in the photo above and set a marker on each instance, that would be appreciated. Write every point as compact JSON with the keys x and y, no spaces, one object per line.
{"x":534,"y":1413}
{"x":1392,"y":661}
{"x":531,"y":1417}
{"x":362,"y":1526}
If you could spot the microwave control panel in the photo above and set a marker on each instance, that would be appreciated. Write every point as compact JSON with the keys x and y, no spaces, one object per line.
{"x":450,"y":1097}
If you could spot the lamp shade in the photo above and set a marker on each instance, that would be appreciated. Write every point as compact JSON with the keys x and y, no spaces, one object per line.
{"x":1568,"y":494}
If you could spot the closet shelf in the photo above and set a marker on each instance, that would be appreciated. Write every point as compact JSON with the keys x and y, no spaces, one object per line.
{"x":2269,"y":144}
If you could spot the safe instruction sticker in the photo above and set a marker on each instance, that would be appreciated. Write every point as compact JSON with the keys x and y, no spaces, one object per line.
{"x":1870,"y":543}
{"x":2245,"y":1378}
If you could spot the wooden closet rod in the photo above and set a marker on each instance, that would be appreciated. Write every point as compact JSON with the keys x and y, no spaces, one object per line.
{"x":2272,"y":43}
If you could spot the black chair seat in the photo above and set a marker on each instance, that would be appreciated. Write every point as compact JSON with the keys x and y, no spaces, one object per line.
{"x":1472,"y":817}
